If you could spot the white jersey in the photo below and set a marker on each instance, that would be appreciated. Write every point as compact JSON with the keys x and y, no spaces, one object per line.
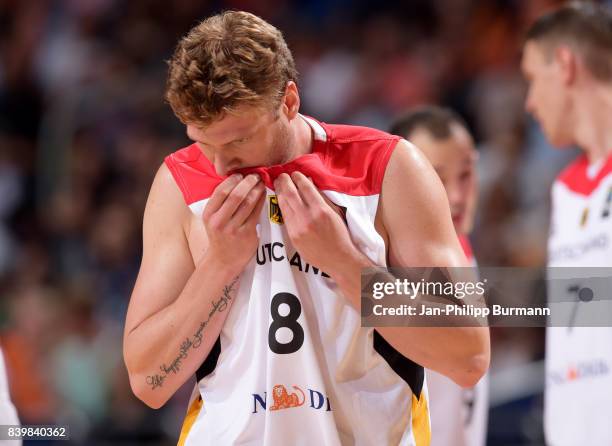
{"x":458,"y":416}
{"x":8,"y":414}
{"x":292,"y":365}
{"x":578,"y":394}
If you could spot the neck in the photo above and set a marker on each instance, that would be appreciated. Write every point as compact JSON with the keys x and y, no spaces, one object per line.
{"x":594,"y":122}
{"x":302,"y":136}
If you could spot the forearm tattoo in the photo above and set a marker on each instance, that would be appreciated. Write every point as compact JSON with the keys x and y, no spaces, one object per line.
{"x":193,"y":342}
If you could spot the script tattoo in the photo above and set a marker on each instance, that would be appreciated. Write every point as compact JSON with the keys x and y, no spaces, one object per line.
{"x":195,"y":341}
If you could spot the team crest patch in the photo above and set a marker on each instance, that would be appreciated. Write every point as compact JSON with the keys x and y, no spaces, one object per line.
{"x":275,"y":212}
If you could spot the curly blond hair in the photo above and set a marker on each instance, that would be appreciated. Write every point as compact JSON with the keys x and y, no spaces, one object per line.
{"x":230,"y":59}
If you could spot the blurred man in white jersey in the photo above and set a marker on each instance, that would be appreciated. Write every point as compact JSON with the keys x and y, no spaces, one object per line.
{"x":8,"y":414}
{"x":458,"y":415}
{"x":250,"y":279}
{"x":567,"y":61}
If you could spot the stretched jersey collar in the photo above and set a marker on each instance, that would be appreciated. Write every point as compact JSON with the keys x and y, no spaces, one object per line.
{"x":319,"y":131}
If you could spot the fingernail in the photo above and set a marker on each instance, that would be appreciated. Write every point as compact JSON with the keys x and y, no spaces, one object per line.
{"x":237,"y":176}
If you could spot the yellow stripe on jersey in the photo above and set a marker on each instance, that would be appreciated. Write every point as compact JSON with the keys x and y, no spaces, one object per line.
{"x":190,"y":418}
{"x":420,"y":421}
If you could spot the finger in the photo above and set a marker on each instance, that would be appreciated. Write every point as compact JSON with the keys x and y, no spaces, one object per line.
{"x":236,"y":197}
{"x":284,"y":203}
{"x":289,"y":198}
{"x":307,"y":190}
{"x":313,"y":196}
{"x":248,"y":204}
{"x":221,"y":193}
{"x":340,"y":210}
{"x":255,"y":212}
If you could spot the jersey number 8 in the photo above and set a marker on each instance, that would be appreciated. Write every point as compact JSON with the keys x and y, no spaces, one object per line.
{"x":289,"y":321}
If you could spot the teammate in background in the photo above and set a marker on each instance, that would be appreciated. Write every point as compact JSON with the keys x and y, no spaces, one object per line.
{"x":8,"y":414}
{"x":567,"y":61}
{"x":458,"y":415}
{"x":251,"y":281}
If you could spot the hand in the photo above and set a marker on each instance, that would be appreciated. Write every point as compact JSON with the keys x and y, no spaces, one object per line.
{"x":316,"y":229}
{"x":231,"y":217}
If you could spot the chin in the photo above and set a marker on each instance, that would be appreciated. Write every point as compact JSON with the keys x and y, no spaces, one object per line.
{"x":560,"y":142}
{"x":557,"y":138}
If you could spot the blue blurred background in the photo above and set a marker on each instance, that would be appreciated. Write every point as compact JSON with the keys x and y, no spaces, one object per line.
{"x":83,"y":129}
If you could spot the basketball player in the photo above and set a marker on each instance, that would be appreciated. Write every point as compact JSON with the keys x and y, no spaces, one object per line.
{"x":251,"y":281}
{"x":458,"y":415}
{"x":567,"y":61}
{"x":8,"y":414}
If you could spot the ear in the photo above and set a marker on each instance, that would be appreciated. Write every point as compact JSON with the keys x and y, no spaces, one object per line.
{"x":565,"y":59}
{"x":291,"y":101}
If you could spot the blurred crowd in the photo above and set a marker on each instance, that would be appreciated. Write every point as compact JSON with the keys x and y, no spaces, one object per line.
{"x":84,"y":128}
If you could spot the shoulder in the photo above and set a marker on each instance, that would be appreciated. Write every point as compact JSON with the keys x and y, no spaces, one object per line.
{"x":410,"y":179}
{"x":165,"y":204}
{"x":577,"y":178}
{"x":193,"y":173}
{"x":573,"y":173}
{"x":408,"y":166}
{"x":411,"y":187}
{"x":358,"y":152}
{"x":346,"y":134}
{"x":364,"y":142}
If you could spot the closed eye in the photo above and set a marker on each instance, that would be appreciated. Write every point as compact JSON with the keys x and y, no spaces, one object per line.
{"x":242,"y":140}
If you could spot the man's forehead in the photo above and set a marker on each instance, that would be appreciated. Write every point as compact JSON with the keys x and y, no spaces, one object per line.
{"x":456,"y":150}
{"x":532,"y":54}
{"x":458,"y":136}
{"x":228,"y":126}
{"x":454,"y":155}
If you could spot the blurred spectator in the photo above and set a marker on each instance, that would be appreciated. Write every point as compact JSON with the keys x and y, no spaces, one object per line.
{"x":26,"y":342}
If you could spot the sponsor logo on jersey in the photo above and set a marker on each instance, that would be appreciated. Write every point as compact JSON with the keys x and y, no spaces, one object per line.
{"x":579,"y":371}
{"x":605,"y":213}
{"x":599,"y":242}
{"x":285,"y":399}
{"x":275,"y":252}
{"x":275,"y":212}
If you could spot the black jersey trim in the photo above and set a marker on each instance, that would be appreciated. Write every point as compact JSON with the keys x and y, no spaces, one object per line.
{"x":408,"y":370}
{"x":210,"y":363}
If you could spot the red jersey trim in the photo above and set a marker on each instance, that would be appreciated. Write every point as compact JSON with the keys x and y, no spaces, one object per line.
{"x":467,"y":247}
{"x":352,"y":160}
{"x":576,"y":179}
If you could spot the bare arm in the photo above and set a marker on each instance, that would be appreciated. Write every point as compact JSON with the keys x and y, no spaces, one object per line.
{"x":421,"y":234}
{"x":177,"y":309}
{"x":417,"y":219}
